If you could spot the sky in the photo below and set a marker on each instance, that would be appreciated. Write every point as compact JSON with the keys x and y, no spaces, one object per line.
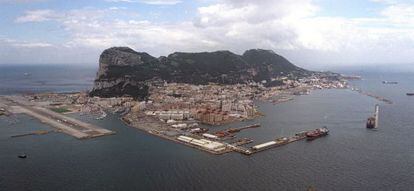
{"x":307,"y":32}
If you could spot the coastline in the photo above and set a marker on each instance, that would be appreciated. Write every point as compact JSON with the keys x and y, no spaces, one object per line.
{"x":80,"y":102}
{"x":149,"y":116}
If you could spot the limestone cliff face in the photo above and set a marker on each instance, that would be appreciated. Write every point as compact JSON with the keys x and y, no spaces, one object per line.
{"x":123,"y":71}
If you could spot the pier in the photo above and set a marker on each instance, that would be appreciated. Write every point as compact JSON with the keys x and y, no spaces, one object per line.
{"x":40,"y":132}
{"x":65,"y":124}
{"x":268,"y":145}
{"x":214,"y":144}
{"x":232,"y":131}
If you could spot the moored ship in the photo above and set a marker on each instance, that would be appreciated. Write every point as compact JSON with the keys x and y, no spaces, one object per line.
{"x":371,"y":122}
{"x":320,"y":132}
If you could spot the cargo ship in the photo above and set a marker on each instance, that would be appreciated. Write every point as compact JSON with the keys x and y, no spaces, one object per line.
{"x":311,"y":135}
{"x":410,"y":94}
{"x":388,"y":82}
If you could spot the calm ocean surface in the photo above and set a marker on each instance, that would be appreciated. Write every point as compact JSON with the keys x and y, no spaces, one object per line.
{"x":45,"y":78}
{"x":350,"y":158}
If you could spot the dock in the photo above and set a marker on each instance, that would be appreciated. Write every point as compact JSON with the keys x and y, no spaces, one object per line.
{"x":232,"y":131}
{"x":268,"y":145}
{"x":65,"y":124}
{"x":217,"y":145}
{"x":241,"y":142}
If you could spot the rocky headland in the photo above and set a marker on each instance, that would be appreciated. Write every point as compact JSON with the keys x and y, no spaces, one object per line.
{"x":125,"y":72}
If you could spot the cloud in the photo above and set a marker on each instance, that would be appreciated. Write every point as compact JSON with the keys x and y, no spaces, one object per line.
{"x":92,"y":28}
{"x":293,"y":28}
{"x":231,"y":11}
{"x":24,"y":52}
{"x":401,"y":14}
{"x":23,"y":44}
{"x":117,"y":8}
{"x":38,"y":16}
{"x":33,"y":45}
{"x":150,"y":2}
{"x":21,"y":1}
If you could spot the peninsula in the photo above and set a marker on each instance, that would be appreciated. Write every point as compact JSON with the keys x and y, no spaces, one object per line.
{"x":180,"y":96}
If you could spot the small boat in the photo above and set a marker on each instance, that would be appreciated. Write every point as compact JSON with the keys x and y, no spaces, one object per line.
{"x":22,"y":156}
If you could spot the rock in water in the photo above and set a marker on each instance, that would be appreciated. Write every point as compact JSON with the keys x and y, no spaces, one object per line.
{"x":125,"y":72}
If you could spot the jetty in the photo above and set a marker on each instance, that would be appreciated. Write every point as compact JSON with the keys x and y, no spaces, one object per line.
{"x":232,"y":131}
{"x":39,"y":132}
{"x":271,"y":144}
{"x":379,"y":98}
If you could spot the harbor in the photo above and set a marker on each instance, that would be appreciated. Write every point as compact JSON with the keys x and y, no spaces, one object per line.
{"x":217,"y":143}
{"x":218,"y":146}
{"x":187,"y":133}
{"x":282,"y":141}
{"x":133,"y":151}
{"x":171,"y":123}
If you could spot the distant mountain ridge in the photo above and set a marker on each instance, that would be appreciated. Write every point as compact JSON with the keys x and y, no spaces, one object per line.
{"x":123,"y":71}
